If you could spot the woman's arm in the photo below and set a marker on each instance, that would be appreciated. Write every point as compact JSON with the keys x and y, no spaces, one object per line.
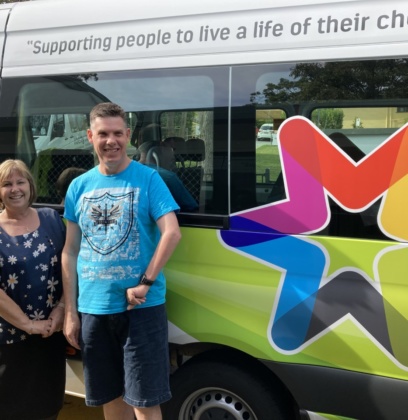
{"x":12,"y":313}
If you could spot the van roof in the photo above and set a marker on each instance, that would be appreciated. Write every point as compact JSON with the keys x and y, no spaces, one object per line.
{"x":74,"y":36}
{"x":95,"y":11}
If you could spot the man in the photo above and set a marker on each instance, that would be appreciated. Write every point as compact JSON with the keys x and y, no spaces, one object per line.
{"x":121,"y":230}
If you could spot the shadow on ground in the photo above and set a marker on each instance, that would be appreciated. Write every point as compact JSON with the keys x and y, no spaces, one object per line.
{"x":75,"y":409}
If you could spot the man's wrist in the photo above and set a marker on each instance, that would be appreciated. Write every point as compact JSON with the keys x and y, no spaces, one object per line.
{"x":145,"y":281}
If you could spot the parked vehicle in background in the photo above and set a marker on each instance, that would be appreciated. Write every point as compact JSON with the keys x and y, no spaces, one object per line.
{"x":265,"y":132}
{"x":60,"y":132}
{"x":288,"y":291}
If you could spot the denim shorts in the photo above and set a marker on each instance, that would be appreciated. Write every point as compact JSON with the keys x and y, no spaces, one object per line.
{"x":126,"y":354}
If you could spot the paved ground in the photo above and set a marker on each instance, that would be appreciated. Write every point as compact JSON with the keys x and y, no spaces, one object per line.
{"x":75,"y":409}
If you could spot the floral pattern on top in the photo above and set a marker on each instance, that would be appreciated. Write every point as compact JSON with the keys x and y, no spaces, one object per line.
{"x":30,"y":274}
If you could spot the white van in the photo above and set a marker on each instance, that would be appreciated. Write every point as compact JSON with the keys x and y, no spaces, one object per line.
{"x":286,"y":297}
{"x":61,"y":131}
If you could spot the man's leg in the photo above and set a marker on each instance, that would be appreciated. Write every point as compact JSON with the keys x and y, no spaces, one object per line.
{"x":102,"y":355}
{"x":118,"y":409}
{"x":147,"y":362}
{"x":148,"y":413}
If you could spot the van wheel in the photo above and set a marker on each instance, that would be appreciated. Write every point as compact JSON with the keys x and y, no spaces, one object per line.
{"x":218,"y":391}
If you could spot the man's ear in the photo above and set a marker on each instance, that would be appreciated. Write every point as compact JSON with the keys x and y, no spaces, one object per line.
{"x":89,"y":135}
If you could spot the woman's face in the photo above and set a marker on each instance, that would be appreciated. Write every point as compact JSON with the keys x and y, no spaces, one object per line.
{"x":15,"y":192}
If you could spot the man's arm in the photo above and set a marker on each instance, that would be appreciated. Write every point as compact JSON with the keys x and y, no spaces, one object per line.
{"x":70,"y":282}
{"x":170,"y":237}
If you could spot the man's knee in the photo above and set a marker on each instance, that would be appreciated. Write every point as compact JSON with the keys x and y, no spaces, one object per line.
{"x":148,"y":413}
{"x":118,"y":409}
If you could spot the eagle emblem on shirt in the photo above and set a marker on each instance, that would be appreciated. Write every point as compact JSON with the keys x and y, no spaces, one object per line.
{"x":106,"y":220}
{"x":105,"y":217}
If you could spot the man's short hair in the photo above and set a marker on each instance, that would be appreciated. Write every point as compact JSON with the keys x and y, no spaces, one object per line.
{"x":107,"y":109}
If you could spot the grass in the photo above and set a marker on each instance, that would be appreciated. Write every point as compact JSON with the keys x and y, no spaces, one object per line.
{"x":267,"y":157}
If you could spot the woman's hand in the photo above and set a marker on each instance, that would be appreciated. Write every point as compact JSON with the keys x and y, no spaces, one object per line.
{"x":57,"y":318}
{"x":39,"y":327}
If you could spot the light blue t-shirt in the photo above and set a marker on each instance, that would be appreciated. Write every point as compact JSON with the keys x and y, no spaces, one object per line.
{"x":117,"y":215}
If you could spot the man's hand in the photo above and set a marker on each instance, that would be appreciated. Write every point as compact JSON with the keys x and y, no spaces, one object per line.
{"x":72,"y":326}
{"x":136,"y":295}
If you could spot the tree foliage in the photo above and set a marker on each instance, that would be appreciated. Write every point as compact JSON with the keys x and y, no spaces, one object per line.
{"x":361,"y":80}
{"x":328,"y":118}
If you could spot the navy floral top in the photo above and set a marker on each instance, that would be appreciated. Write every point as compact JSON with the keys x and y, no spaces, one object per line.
{"x":30,"y":271}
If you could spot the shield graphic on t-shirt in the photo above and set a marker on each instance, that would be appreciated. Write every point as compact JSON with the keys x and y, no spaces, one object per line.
{"x":107,"y":221}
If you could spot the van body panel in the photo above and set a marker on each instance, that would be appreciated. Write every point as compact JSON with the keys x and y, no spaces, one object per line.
{"x":161,"y":35}
{"x":4,"y":14}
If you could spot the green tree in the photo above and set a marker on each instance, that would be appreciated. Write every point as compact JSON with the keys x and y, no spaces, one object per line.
{"x":375,"y":79}
{"x":328,"y":118}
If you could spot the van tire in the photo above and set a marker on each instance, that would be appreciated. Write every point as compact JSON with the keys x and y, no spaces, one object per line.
{"x":224,"y":391}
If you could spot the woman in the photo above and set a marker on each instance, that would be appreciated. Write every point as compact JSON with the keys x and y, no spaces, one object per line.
{"x":32,"y":346}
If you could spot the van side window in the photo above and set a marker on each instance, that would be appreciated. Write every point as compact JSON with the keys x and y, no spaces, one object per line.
{"x":189,"y":105}
{"x":60,"y":142}
{"x":190,"y":136}
{"x":220,"y":125}
{"x":357,"y":132}
{"x":183,"y":113}
{"x":354,"y":122}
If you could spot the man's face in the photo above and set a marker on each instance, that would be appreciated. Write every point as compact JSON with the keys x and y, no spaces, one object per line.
{"x":109,"y":137}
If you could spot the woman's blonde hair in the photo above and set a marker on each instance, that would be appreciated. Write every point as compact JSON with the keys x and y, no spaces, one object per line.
{"x":14,"y":165}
